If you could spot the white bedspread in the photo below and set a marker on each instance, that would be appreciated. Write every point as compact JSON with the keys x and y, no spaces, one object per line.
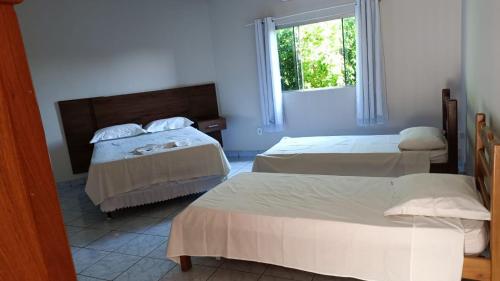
{"x":124,"y":165}
{"x":323,"y":224}
{"x":374,"y":155}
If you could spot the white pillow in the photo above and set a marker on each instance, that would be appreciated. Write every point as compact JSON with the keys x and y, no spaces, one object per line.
{"x":117,"y":132}
{"x":422,"y":138}
{"x":437,"y":195}
{"x":168,"y":124}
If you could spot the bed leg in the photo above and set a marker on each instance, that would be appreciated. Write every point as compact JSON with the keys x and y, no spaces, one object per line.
{"x":185,"y":263}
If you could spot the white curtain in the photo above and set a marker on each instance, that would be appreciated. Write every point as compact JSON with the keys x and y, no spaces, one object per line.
{"x":271,"y":98}
{"x":371,"y":99}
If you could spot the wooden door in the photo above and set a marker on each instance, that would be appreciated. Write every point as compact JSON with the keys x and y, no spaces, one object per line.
{"x":33,"y":243}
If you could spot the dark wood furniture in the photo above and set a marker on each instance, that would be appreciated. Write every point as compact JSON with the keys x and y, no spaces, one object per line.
{"x":212,"y":127}
{"x":450,"y":128}
{"x":82,"y":117}
{"x":487,"y":174}
{"x":33,"y":242}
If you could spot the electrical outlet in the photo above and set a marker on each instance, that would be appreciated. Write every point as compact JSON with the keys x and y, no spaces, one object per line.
{"x":259,"y":131}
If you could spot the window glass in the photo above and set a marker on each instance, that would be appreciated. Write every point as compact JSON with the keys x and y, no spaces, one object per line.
{"x":318,"y":55}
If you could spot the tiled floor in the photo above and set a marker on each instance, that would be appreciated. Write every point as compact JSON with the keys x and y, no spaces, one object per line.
{"x":132,"y":245}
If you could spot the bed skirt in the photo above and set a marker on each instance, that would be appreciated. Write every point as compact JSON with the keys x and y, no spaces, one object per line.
{"x":160,"y":192}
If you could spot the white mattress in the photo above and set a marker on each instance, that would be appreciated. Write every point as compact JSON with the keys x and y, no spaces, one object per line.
{"x":476,"y":237}
{"x":323,"y":224}
{"x":373,"y":155}
{"x":116,"y":168}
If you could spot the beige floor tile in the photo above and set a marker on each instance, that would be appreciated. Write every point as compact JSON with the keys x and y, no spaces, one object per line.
{"x":197,"y":273}
{"x":233,"y":275}
{"x":146,"y":269}
{"x":207,"y":261}
{"x":246,"y":266}
{"x":287,"y":273}
{"x":331,"y":278}
{"x":85,"y":237}
{"x":272,"y":278}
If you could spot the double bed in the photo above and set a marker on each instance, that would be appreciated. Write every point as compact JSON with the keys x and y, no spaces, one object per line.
{"x":150,"y":167}
{"x":373,"y":155}
{"x":154,"y":167}
{"x":335,"y":225}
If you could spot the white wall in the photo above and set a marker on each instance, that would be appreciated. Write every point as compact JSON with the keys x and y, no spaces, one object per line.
{"x":422,"y":46}
{"x":79,"y":49}
{"x":92,"y":48}
{"x":481,"y":65}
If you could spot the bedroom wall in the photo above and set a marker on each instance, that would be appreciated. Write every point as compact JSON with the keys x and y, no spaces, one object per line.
{"x":91,"y":48}
{"x":79,"y":49}
{"x":481,"y":66}
{"x":423,"y":55}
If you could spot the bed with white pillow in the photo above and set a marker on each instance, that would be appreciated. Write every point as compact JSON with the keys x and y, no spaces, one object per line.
{"x":414,"y":150}
{"x":360,"y":227}
{"x":417,"y":227}
{"x":168,"y":158}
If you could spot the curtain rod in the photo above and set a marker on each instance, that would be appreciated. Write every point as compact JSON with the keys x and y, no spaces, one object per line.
{"x":307,"y":12}
{"x":306,"y":21}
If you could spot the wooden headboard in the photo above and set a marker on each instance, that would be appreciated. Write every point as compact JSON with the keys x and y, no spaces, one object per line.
{"x":450,"y":128}
{"x":82,"y":117}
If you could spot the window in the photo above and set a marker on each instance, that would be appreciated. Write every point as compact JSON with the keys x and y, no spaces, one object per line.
{"x":318,"y":55}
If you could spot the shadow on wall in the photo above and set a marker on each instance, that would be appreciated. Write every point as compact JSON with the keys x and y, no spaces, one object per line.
{"x":58,"y":151}
{"x":457,"y":88}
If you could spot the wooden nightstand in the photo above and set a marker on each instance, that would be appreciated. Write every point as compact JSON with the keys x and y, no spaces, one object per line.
{"x":212,"y":127}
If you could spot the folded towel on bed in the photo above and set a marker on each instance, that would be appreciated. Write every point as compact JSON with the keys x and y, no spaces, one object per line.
{"x":155,"y":148}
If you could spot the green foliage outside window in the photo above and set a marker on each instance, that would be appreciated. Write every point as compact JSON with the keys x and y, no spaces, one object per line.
{"x":350,"y":50}
{"x":287,"y":55}
{"x":318,"y":55}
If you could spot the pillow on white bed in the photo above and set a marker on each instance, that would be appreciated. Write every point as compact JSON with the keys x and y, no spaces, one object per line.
{"x":437,"y":195}
{"x":117,"y":132}
{"x":422,"y":138}
{"x":168,"y":124}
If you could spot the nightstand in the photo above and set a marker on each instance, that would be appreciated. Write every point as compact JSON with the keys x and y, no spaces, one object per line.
{"x":212,"y":127}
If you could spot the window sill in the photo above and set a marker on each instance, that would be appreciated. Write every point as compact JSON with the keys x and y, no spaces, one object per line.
{"x":321,"y":91}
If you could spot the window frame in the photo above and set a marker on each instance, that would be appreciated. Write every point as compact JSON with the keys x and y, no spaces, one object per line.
{"x":345,"y":12}
{"x":319,"y":90}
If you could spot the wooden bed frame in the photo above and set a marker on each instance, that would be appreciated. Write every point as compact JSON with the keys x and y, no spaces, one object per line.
{"x":487,"y":174}
{"x":82,"y":117}
{"x":450,"y":128}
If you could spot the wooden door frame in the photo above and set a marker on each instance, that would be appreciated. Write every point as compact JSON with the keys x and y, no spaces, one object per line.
{"x":33,"y":242}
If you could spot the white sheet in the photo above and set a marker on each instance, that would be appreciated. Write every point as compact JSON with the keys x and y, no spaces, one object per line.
{"x":323,"y":224}
{"x":159,"y":192}
{"x":120,"y":166}
{"x":439,"y":156}
{"x":373,"y":155}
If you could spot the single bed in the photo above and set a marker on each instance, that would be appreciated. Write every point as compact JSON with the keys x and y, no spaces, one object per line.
{"x":128,"y":172}
{"x":374,"y":155}
{"x":336,"y":226}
